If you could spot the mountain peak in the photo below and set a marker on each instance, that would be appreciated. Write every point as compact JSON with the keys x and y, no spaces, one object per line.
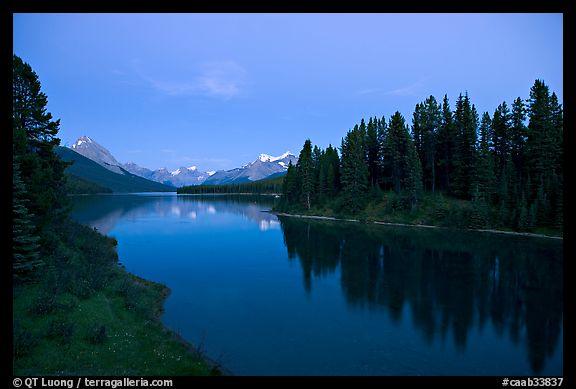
{"x":89,"y":148}
{"x":81,"y":140}
{"x":269,"y":158}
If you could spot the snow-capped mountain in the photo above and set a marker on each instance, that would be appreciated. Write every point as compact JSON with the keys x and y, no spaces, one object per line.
{"x":97,"y":153}
{"x":264,"y":166}
{"x":89,"y":148}
{"x":179,"y":177}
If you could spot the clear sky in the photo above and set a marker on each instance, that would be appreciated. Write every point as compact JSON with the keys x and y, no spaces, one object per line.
{"x":216,"y":90}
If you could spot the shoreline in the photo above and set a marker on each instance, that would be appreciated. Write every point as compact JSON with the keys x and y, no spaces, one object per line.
{"x":492,"y":231}
{"x":216,"y":367}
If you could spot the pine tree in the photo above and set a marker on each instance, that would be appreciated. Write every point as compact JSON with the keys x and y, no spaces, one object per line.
{"x":354,"y":171}
{"x":485,"y":177}
{"x":518,"y":139}
{"x":316,"y":161}
{"x":557,"y":193}
{"x":403,"y":163}
{"x":372,"y":149}
{"x":413,"y":178}
{"x":305,"y":169}
{"x":466,"y":124}
{"x":501,"y":136}
{"x":425,"y":125}
{"x":543,"y":150}
{"x":446,"y":145}
{"x":25,"y":248}
{"x":34,"y":137}
{"x":381,"y":133}
{"x":291,"y":186}
{"x":330,"y":173}
{"x":417,"y":130}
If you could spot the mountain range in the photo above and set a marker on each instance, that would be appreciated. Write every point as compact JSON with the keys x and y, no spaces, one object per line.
{"x":105,"y":179}
{"x":265,"y":166}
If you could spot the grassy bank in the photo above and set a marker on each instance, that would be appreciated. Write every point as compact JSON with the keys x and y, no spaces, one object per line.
{"x":432,"y":210}
{"x":88,"y":316}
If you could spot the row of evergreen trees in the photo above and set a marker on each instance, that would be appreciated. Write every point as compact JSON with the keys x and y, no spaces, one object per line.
{"x":512,"y":172}
{"x":38,"y":181}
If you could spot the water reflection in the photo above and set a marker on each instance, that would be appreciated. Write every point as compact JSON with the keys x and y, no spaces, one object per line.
{"x":451,"y":282}
{"x":104,"y":212}
{"x":397,"y":301}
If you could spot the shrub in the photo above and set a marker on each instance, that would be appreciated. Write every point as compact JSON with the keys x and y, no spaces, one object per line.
{"x":98,"y":334}
{"x":44,"y":303}
{"x":61,"y":331}
{"x":23,"y":341}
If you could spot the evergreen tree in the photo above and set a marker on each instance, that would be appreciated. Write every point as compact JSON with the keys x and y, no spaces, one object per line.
{"x":518,"y":139}
{"x":372,"y":151}
{"x":466,"y":124}
{"x":354,"y":172}
{"x":446,"y":145}
{"x":34,"y":137}
{"x":329,"y":172}
{"x":542,"y":140}
{"x":413,"y":178}
{"x":317,"y":156}
{"x":543,"y":151}
{"x":291,"y":186}
{"x":425,"y":125}
{"x":485,"y":177}
{"x":417,"y":124}
{"x":557,"y":122}
{"x":25,"y":248}
{"x":403,"y":164}
{"x":305,"y":169}
{"x":501,"y":136}
{"x":381,"y":132}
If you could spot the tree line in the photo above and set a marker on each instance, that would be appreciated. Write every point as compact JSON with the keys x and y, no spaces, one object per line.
{"x":508,"y":165}
{"x":266,"y":186}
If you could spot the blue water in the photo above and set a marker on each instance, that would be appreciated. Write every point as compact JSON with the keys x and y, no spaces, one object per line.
{"x":281,"y":296}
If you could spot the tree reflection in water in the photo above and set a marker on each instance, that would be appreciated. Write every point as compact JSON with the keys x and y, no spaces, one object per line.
{"x":451,"y":281}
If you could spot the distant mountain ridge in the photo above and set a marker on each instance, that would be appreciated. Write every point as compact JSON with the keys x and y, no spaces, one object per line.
{"x":263,"y":167}
{"x":98,"y":174}
{"x":179,"y":177}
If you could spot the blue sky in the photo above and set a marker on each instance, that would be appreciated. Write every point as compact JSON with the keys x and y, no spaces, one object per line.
{"x":216,"y":90}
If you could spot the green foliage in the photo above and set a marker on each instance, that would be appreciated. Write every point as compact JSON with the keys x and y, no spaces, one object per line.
{"x":34,"y":138}
{"x":78,"y":185}
{"x":354,"y":171}
{"x":402,"y":163}
{"x":465,"y":124}
{"x":98,"y":334}
{"x":23,"y":340}
{"x":62,"y":331}
{"x":267,"y":186}
{"x":485,"y":179}
{"x":101,"y":336}
{"x":511,"y":177}
{"x":425,"y":126}
{"x":306,"y":173}
{"x":25,"y":248}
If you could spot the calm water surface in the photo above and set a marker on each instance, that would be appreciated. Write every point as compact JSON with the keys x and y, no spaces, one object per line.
{"x":267,"y":295}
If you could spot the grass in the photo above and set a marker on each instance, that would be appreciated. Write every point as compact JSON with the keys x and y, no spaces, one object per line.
{"x":112,"y":330}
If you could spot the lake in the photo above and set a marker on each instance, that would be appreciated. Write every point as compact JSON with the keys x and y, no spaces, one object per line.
{"x":268,"y":295}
